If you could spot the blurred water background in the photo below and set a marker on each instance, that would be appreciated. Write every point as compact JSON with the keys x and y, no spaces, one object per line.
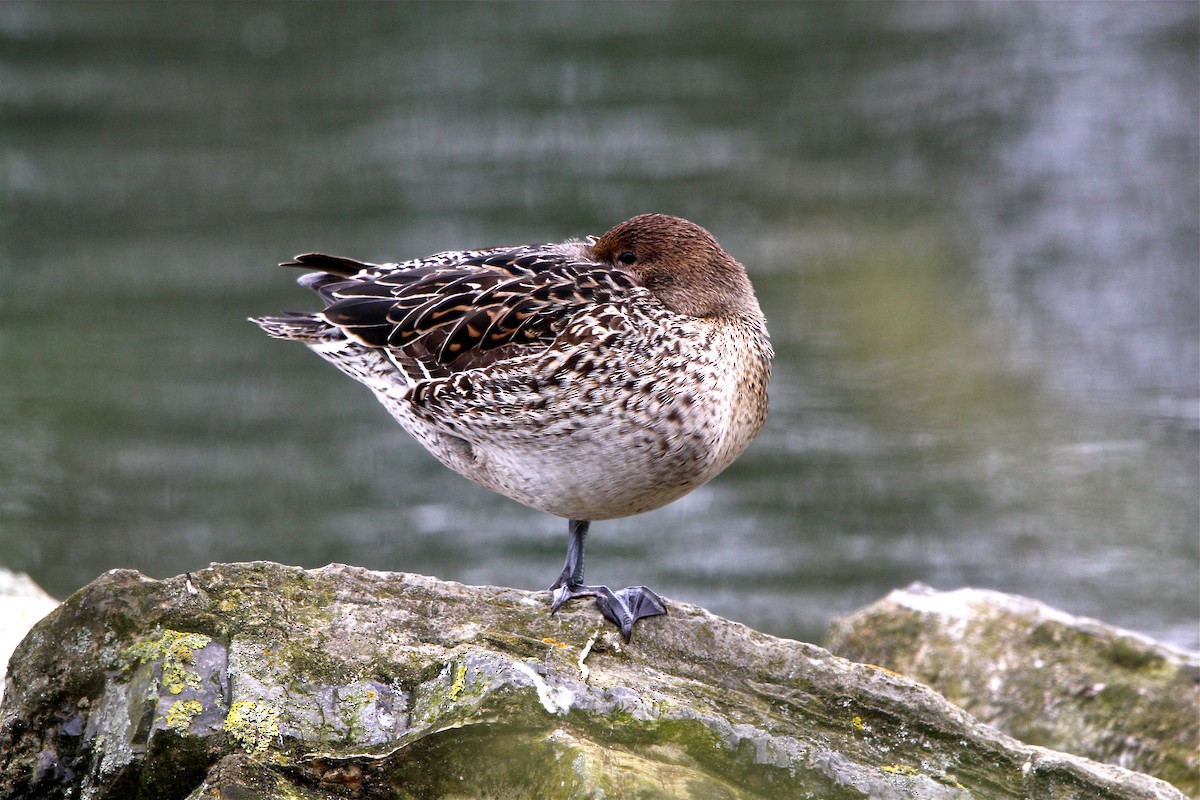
{"x":973,"y":229}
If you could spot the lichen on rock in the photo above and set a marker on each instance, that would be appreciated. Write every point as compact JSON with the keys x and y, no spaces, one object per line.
{"x":179,"y":717}
{"x":345,"y":682}
{"x":1041,"y":675}
{"x":175,"y":650}
{"x":253,"y":726}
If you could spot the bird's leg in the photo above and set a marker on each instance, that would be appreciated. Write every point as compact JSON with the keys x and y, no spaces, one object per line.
{"x":623,"y":608}
{"x":572,"y":574}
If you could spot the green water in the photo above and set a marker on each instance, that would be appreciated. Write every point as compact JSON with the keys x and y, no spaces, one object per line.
{"x":973,"y":229}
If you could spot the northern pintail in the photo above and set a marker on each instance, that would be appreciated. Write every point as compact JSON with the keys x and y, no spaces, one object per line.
{"x":589,"y":379}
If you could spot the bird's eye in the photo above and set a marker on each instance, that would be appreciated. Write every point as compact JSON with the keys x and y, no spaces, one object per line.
{"x":627,"y":257}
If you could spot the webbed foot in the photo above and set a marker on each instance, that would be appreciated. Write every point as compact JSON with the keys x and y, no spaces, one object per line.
{"x":622,"y":608}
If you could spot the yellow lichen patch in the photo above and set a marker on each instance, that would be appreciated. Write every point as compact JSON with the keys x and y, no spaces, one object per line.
{"x":901,"y":769}
{"x":253,"y":726}
{"x":175,"y":648}
{"x":273,"y":658}
{"x":885,"y":669}
{"x":180,"y":716}
{"x":555,"y":643}
{"x":233,"y":601}
{"x":857,"y":724}
{"x":460,"y":681}
{"x":950,"y":780}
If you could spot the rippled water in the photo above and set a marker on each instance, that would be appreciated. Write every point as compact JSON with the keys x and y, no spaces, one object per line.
{"x":973,"y":228}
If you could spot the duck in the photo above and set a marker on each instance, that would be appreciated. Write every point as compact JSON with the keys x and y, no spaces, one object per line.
{"x":589,"y":379}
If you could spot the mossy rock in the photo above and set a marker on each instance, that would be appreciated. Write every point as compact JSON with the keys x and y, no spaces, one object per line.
{"x":265,"y":681}
{"x":1041,"y":675}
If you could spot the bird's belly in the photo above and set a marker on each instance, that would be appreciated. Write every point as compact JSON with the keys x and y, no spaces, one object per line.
{"x":601,"y":451}
{"x":596,"y":478}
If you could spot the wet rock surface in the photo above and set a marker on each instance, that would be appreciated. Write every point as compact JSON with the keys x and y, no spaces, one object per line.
{"x":262,"y":681}
{"x":1040,"y":675}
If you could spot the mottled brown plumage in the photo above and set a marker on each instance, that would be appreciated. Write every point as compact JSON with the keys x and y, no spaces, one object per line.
{"x":589,"y":380}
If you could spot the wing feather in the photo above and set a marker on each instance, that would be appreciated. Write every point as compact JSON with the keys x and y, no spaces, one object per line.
{"x":458,"y":311}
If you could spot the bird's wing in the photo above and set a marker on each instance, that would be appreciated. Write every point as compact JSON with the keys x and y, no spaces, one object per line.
{"x":461,"y":311}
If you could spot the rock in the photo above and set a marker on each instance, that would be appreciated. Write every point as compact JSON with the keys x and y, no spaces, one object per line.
{"x":22,"y":603}
{"x":264,"y":681}
{"x":1040,"y":675}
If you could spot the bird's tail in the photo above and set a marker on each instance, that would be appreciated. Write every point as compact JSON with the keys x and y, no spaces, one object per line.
{"x":307,"y":327}
{"x":300,"y":327}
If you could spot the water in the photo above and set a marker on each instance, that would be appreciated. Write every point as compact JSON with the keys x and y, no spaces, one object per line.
{"x":973,"y":228}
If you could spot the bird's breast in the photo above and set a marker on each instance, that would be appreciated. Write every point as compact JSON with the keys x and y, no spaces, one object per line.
{"x":619,"y":435}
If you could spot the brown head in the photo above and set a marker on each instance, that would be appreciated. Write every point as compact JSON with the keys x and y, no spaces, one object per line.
{"x":681,"y":264}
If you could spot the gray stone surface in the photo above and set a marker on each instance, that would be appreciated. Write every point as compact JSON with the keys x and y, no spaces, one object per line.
{"x":1041,"y":675}
{"x":263,"y":681}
